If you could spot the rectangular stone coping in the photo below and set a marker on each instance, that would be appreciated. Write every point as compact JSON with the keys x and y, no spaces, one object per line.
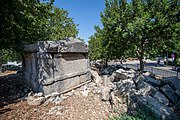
{"x":62,"y":46}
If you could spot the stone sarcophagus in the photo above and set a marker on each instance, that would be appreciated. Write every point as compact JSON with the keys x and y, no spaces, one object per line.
{"x":55,"y":66}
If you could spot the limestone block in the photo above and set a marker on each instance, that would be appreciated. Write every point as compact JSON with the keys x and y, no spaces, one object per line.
{"x":62,"y":85}
{"x":120,"y":76}
{"x":55,"y":66}
{"x":173,"y":81}
{"x":106,"y":93}
{"x":146,"y":88}
{"x":178,"y":92}
{"x":177,"y":106}
{"x":125,"y":86}
{"x":161,"y":98}
{"x":169,"y":92}
{"x":152,"y":81}
{"x":63,"y":46}
{"x":160,"y":110}
{"x":96,"y":78}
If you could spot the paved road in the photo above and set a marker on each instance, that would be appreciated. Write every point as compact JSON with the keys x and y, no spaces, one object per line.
{"x":165,"y":71}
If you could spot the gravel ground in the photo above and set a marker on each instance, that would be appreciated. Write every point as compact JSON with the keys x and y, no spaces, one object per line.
{"x":74,"y":107}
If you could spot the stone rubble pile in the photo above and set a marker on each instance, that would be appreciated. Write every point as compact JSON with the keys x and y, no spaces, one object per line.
{"x":11,"y":87}
{"x":159,"y":96}
{"x":147,"y":91}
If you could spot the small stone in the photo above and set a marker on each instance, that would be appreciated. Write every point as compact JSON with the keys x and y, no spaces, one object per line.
{"x":54,"y":94}
{"x":35,"y":101}
{"x":106,"y":80}
{"x":56,"y":110}
{"x":38,"y":94}
{"x":85,"y":93}
{"x":106,"y":94}
{"x":149,"y":74}
{"x":96,"y":78}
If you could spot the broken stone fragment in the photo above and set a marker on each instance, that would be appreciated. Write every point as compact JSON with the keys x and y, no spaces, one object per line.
{"x":149,"y":74}
{"x":31,"y":100}
{"x":96,"y":78}
{"x":40,"y":94}
{"x":106,"y":80}
{"x":106,"y":93}
{"x":120,"y":76}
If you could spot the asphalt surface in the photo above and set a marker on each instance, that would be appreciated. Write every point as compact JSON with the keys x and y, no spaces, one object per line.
{"x":151,"y":66}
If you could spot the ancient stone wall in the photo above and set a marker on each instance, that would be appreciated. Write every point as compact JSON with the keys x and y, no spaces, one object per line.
{"x":55,"y":66}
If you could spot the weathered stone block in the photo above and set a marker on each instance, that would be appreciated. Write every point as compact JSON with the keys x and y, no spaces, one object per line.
{"x":163,"y":112}
{"x":148,"y":103}
{"x":146,"y":88}
{"x":168,"y":91}
{"x":96,"y":78}
{"x":173,"y":81}
{"x":178,"y":92}
{"x":120,"y":76}
{"x":125,"y":87}
{"x":152,"y":81}
{"x":55,"y":66}
{"x":161,"y":98}
{"x":177,"y":106}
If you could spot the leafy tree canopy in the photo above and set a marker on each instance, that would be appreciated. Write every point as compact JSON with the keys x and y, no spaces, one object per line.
{"x":141,"y":27}
{"x":28,"y":21}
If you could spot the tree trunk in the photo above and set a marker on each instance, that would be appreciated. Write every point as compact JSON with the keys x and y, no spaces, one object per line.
{"x":141,"y":64}
{"x":106,"y":62}
{"x":141,"y":57}
{"x":140,"y":54}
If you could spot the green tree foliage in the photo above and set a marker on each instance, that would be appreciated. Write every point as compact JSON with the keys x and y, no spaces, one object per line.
{"x":61,"y":26}
{"x":25,"y":22}
{"x":141,"y":26}
{"x":95,"y":45}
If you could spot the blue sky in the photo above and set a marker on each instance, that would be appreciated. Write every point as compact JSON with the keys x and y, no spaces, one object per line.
{"x":86,"y":13}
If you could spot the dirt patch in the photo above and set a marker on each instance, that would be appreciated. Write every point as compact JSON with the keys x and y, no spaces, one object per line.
{"x":81,"y":104}
{"x":8,"y":72}
{"x":76,"y":107}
